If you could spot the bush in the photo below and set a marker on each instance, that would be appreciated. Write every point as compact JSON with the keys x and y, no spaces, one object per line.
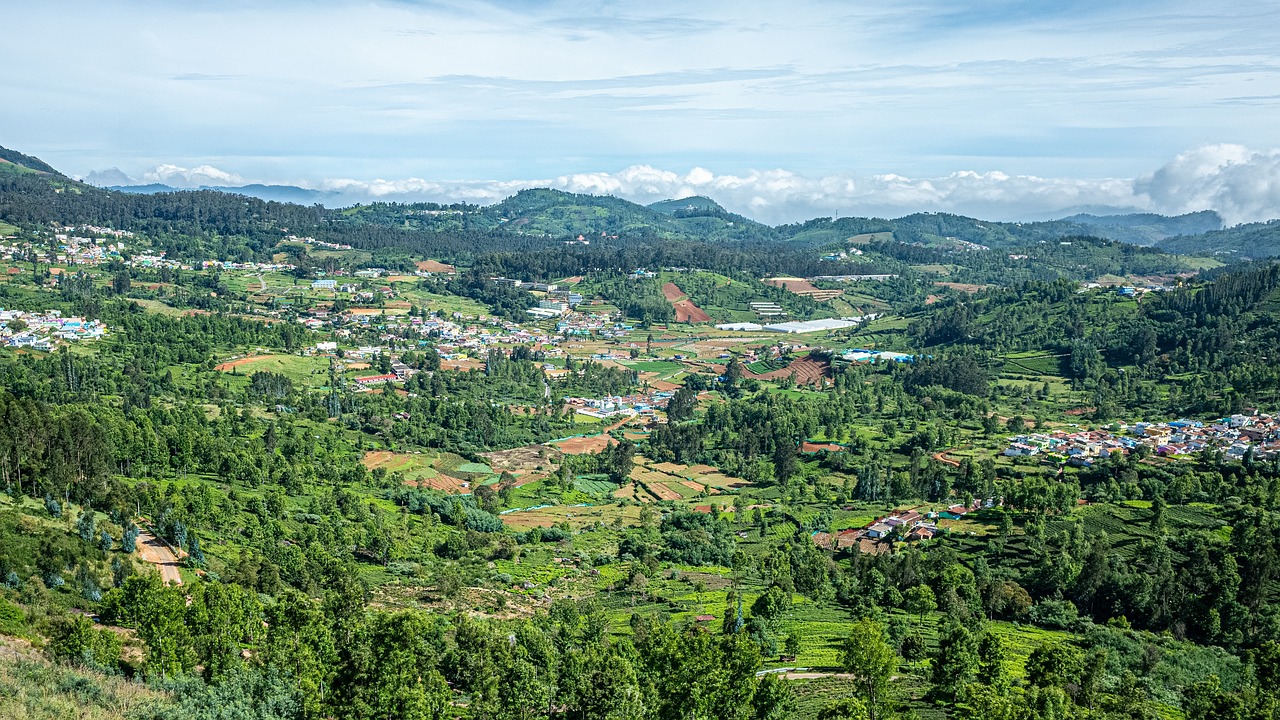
{"x":1055,"y":614}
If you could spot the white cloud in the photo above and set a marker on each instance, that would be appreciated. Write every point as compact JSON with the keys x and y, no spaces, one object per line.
{"x":1243,"y":185}
{"x":181,"y":177}
{"x":778,"y":195}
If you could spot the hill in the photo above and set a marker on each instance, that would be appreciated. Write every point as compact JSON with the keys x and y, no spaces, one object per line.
{"x":1249,"y":241}
{"x":14,"y":161}
{"x":692,"y":204}
{"x":1147,"y":228}
{"x":274,"y":193}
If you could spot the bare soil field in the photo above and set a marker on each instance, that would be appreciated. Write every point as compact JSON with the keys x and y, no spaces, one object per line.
{"x":962,"y":287}
{"x":583,"y":445}
{"x":807,"y":371}
{"x":467,"y":364}
{"x":804,"y":288}
{"x":226,"y":366}
{"x":523,"y":462}
{"x":435,"y":266}
{"x":686,"y":311}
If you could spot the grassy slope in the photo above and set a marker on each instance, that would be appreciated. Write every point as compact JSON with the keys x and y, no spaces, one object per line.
{"x":33,"y":688}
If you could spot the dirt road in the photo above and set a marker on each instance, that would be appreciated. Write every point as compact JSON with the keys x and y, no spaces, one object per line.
{"x":152,"y":550}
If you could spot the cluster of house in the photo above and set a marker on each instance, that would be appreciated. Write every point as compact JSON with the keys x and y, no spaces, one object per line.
{"x":553,"y":301}
{"x":255,"y":267}
{"x":70,"y":251}
{"x":587,"y":324}
{"x":910,"y":524}
{"x":1234,"y":436}
{"x":643,"y":405}
{"x":318,"y":243}
{"x":45,"y":330}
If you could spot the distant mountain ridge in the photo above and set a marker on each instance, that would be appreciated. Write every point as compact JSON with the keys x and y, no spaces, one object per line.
{"x":271,"y":193}
{"x":549,"y":213}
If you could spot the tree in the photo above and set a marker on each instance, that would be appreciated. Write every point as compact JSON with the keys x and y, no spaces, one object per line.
{"x":620,"y":460}
{"x":991,"y":659}
{"x":955,"y":663}
{"x":1051,"y":664}
{"x":867,"y":656}
{"x":792,"y":644}
{"x":682,"y":404}
{"x":920,"y":600}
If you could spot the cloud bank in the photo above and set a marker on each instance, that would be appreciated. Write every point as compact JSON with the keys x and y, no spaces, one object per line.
{"x":1243,"y":185}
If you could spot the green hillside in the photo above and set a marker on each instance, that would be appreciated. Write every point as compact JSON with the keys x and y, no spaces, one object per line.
{"x":1251,"y":240}
{"x":14,"y":161}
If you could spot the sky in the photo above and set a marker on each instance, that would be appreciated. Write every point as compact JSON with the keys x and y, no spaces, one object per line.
{"x":1004,"y":109}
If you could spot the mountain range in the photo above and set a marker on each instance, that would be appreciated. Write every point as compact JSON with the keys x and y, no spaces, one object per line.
{"x":553,"y":213}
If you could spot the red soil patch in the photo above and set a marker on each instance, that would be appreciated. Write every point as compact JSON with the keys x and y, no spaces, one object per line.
{"x":226,"y":366}
{"x":807,"y":371}
{"x":573,"y":280}
{"x":962,"y":287}
{"x":443,"y":483}
{"x":686,"y":311}
{"x":435,"y":266}
{"x":583,"y":445}
{"x":376,"y":458}
{"x":942,"y":458}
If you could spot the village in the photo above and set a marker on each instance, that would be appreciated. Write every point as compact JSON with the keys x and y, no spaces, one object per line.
{"x":1235,"y":436}
{"x":45,"y":330}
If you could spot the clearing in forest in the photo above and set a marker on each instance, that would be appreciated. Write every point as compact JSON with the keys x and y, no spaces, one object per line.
{"x":686,"y":311}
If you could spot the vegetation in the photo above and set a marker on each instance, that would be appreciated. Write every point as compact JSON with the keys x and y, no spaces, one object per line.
{"x":444,"y":513}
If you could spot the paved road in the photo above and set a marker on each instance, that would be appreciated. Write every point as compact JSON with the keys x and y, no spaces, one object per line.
{"x":152,"y":550}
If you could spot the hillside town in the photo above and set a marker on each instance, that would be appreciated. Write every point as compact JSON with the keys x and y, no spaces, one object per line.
{"x":1235,"y":436}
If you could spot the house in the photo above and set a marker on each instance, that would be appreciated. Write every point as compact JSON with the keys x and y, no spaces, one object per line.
{"x":879,"y":530}
{"x":324,"y":284}
{"x":922,"y":532}
{"x":374,"y":379}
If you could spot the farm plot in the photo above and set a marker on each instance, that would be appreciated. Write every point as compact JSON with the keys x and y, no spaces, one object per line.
{"x":523,"y":462}
{"x":594,"y":484}
{"x":807,"y":371}
{"x":416,"y":468}
{"x":686,"y":311}
{"x":576,"y":516}
{"x":803,"y":288}
{"x":446,"y":473}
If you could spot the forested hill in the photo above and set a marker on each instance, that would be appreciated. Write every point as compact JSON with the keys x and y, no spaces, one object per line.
{"x":32,"y":192}
{"x":1252,"y":240}
{"x":1210,"y":346}
{"x":14,"y":161}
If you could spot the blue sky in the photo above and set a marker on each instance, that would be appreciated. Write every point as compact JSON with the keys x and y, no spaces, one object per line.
{"x":779,"y":110}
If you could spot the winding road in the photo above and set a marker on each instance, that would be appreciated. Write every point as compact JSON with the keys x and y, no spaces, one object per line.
{"x":154,"y":551}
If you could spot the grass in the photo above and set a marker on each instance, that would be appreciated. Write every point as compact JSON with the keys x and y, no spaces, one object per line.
{"x":305,"y":370}
{"x":36,"y":689}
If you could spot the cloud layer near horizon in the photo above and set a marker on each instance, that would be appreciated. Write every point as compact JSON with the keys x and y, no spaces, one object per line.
{"x":1241,"y":184}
